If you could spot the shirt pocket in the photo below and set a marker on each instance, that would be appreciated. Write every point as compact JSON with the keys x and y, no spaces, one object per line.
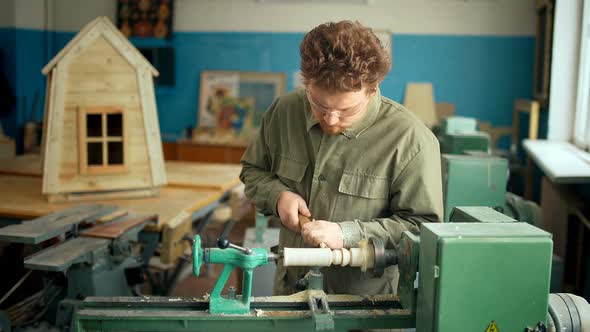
{"x":289,"y":170}
{"x":364,"y":185}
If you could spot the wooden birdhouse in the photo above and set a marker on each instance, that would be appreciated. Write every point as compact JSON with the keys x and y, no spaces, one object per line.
{"x":101,"y":136}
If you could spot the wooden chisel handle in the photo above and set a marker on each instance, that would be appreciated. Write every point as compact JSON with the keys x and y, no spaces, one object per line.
{"x":304,"y":220}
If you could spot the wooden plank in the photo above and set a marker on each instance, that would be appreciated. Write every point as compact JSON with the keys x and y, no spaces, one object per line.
{"x":201,"y":175}
{"x":212,"y":176}
{"x":204,"y":152}
{"x":495,"y":132}
{"x":151,"y":127}
{"x":112,"y":216}
{"x":42,"y":229}
{"x":7,"y":149}
{"x":70,"y":45}
{"x":173,"y":244}
{"x":534,"y":120}
{"x":82,"y":136}
{"x":60,"y":257}
{"x":102,"y":82}
{"x":125,"y":47}
{"x":101,"y":57}
{"x":21,"y":197}
{"x":169,"y":149}
{"x":49,"y":95}
{"x":127,"y":51}
{"x":555,"y":214}
{"x":444,"y":110}
{"x":53,"y":147}
{"x":102,"y":195}
{"x":119,"y":227}
{"x":127,"y":100}
{"x":419,"y":98}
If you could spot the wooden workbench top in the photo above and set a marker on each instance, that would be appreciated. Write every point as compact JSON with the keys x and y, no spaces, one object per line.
{"x":203,"y":175}
{"x":21,"y":197}
{"x":208,"y":176}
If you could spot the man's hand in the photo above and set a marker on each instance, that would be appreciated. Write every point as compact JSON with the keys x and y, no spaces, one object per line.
{"x":289,"y":206}
{"x":321,"y":231}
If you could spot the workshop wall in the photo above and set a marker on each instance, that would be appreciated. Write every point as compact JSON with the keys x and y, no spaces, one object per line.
{"x":478,"y":53}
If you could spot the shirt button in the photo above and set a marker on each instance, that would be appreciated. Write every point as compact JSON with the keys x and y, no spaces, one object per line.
{"x":322,"y":177}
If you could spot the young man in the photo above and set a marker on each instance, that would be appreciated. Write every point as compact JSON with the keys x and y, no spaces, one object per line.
{"x":358,"y":163}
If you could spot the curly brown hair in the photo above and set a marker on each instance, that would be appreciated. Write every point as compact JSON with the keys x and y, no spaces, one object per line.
{"x":342,"y":57}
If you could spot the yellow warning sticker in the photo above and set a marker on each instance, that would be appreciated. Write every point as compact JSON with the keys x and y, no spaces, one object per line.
{"x":492,"y":327}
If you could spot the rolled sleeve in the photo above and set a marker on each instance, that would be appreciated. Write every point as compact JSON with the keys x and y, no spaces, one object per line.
{"x":351,"y":233}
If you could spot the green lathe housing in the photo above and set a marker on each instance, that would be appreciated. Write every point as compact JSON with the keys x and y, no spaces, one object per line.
{"x":475,"y":275}
{"x":458,"y":276}
{"x":473,"y":181}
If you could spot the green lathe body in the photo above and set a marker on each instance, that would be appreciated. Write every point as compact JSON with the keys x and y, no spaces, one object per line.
{"x":473,"y":181}
{"x":459,"y":143}
{"x":473,"y":275}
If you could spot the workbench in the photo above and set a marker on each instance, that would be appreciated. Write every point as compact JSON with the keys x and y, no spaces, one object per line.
{"x":193,"y":191}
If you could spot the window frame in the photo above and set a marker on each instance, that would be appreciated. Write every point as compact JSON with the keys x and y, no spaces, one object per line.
{"x":581,"y":130}
{"x":104,"y":139}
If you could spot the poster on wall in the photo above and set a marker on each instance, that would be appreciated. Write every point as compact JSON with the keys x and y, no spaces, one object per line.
{"x":145,"y":18}
{"x":231,"y":104}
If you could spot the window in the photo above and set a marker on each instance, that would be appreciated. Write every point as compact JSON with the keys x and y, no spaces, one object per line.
{"x":101,"y":140}
{"x":582,"y":122}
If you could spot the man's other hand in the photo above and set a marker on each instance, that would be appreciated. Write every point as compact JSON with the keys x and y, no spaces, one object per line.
{"x":321,"y":231}
{"x":289,"y":206}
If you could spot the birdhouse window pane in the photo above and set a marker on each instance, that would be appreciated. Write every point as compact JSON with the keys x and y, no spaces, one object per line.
{"x":115,"y":153}
{"x":94,"y":125}
{"x":102,"y":140}
{"x":115,"y":125}
{"x":94,"y":153}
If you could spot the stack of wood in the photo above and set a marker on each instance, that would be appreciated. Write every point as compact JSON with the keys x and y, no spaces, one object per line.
{"x":7,"y":146}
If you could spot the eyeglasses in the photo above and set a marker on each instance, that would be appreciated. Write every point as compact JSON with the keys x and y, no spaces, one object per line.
{"x":346,"y":113}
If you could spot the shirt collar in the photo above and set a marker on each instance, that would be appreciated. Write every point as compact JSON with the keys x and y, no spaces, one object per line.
{"x":358,"y":127}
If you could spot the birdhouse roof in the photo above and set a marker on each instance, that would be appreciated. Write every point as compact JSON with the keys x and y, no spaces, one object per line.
{"x":102,"y":26}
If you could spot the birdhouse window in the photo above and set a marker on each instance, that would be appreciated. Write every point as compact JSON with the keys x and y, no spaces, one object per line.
{"x":101,"y":140}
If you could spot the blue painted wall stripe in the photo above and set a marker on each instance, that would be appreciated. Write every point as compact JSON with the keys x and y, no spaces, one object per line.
{"x":480,"y":74}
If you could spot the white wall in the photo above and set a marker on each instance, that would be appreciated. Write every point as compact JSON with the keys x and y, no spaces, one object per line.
{"x":482,"y":17}
{"x":29,"y":14}
{"x":7,"y":14}
{"x":25,"y":14}
{"x":564,"y":69}
{"x":471,"y":17}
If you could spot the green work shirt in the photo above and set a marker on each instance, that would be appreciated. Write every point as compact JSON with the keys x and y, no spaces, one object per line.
{"x":378,"y":178}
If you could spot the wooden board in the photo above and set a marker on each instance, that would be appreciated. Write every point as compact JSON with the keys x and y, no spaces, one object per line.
{"x":199,"y":175}
{"x":419,"y":98}
{"x":213,"y":153}
{"x":21,"y":197}
{"x":7,"y":148}
{"x":203,"y":175}
{"x":62,"y":256}
{"x":117,"y":228}
{"x":444,"y":110}
{"x":44,"y":228}
{"x":27,"y":164}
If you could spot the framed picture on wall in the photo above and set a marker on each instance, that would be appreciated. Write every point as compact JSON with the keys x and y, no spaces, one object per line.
{"x":231,"y":104}
{"x":145,"y":18}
